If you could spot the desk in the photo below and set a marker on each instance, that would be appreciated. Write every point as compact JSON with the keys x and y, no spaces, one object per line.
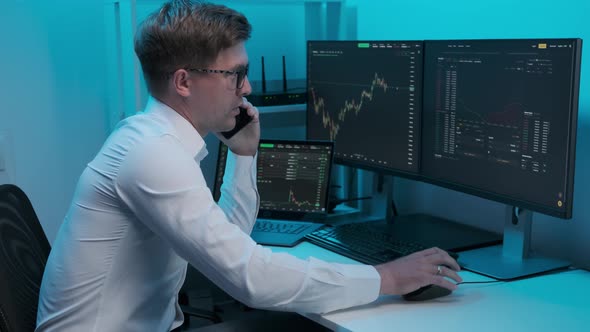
{"x":553,"y":302}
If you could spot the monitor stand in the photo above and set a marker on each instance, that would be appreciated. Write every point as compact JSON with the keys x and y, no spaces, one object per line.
{"x":513,"y":259}
{"x":424,"y":229}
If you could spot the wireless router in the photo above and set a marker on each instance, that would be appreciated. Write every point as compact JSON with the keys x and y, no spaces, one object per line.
{"x":278,"y":92}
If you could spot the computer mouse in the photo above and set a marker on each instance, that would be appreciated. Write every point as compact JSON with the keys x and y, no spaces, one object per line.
{"x":428,"y":292}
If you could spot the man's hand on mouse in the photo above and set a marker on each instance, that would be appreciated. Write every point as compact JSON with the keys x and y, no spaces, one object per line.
{"x":427,"y":267}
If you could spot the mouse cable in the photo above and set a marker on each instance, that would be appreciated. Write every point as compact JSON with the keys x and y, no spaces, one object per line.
{"x":569,"y":268}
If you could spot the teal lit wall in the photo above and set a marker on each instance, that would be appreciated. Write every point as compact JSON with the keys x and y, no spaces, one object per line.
{"x":456,"y":19}
{"x":52,"y":89}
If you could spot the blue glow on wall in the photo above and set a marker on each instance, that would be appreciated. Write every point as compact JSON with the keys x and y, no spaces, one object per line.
{"x":455,"y":19}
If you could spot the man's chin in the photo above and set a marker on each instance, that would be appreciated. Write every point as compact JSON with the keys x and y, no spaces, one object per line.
{"x":229,"y":125}
{"x":228,"y":128}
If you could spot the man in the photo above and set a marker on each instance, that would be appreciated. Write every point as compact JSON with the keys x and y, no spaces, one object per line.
{"x":142,"y":209}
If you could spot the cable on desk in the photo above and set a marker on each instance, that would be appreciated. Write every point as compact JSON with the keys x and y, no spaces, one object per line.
{"x":479,"y":282}
{"x":569,"y":268}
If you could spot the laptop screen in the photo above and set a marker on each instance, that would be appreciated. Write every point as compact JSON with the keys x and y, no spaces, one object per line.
{"x":292,"y":177}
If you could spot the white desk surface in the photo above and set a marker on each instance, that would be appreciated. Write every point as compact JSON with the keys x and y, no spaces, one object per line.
{"x":553,"y":302}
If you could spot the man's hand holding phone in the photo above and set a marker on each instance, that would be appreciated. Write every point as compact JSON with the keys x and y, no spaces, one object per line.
{"x":243,"y":138}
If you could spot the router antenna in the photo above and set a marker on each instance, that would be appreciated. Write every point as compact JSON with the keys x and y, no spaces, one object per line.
{"x":263,"y":75}
{"x":284,"y":75}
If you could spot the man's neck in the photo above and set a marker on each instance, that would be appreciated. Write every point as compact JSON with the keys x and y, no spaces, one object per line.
{"x":180,"y":107}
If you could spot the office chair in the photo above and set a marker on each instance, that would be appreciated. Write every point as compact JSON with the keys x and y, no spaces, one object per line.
{"x":189,"y":311}
{"x":23,"y":254}
{"x":24,"y":250}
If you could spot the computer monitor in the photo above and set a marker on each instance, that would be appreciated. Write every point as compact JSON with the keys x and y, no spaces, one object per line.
{"x":499,"y":121}
{"x":491,"y":118}
{"x":219,"y":170}
{"x":366,"y":96}
{"x":292,"y":177}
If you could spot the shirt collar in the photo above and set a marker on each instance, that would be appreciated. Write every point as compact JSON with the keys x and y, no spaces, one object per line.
{"x":187,"y":134}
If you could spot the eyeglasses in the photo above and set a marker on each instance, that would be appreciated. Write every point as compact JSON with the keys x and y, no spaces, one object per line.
{"x":239,"y":74}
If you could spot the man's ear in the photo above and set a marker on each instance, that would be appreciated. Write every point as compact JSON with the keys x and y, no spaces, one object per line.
{"x":181,"y":81}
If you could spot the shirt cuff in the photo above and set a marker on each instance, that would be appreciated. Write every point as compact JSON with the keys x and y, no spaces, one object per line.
{"x":366,"y":280}
{"x":240,"y":168}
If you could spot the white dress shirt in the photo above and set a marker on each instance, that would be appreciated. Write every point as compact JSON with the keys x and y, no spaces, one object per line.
{"x":142,"y":210}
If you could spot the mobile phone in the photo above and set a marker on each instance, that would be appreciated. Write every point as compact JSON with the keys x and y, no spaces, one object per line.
{"x":242,"y":120}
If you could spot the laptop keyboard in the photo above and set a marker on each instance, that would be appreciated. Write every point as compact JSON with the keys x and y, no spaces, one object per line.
{"x":279,"y":227}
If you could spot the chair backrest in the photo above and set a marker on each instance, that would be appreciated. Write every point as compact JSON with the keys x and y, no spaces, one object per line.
{"x":23,"y":254}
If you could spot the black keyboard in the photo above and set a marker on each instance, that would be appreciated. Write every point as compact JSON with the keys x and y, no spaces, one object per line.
{"x":362,"y":243}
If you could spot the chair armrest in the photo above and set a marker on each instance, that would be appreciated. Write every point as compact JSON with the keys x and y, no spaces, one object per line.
{"x":200,"y":313}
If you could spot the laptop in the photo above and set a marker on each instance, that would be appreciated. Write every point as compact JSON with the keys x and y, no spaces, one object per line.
{"x":293,"y":183}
